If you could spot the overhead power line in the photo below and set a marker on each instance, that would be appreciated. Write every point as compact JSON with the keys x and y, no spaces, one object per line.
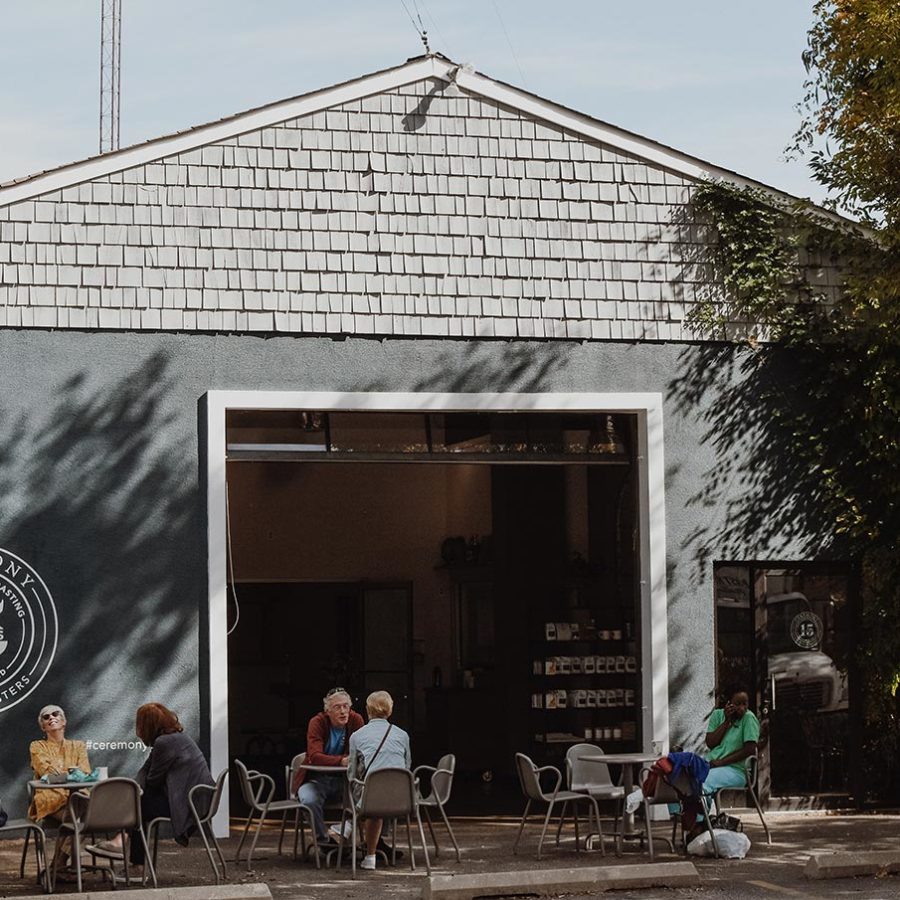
{"x":508,"y":41}
{"x":420,"y":28}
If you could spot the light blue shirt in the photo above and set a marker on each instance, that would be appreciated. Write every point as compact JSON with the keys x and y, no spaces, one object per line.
{"x":393,"y":754}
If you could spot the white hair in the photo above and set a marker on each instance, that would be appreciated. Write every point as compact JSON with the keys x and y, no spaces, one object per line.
{"x":49,"y":708}
{"x":326,"y":700}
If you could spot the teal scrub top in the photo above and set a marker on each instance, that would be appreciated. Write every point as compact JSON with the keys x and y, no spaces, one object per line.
{"x":746,"y":729}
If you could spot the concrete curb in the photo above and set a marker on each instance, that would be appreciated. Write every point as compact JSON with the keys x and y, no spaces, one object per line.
{"x":545,"y":882}
{"x":849,"y":865}
{"x":198,"y":892}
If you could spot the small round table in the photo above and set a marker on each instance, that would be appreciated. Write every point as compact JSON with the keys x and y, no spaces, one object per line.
{"x":627,"y":761}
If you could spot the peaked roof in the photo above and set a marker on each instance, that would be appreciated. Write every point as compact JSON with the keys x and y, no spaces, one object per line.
{"x":415,"y":69}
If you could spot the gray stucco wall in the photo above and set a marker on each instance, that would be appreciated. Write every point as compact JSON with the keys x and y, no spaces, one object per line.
{"x":101,"y":493}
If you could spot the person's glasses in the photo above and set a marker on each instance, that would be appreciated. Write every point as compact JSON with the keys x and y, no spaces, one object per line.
{"x":45,"y":717}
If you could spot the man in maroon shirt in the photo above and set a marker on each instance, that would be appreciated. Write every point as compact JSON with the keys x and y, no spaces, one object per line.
{"x":327,"y":738}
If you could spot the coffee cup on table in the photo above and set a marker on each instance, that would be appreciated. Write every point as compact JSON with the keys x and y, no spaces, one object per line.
{"x":102,"y":772}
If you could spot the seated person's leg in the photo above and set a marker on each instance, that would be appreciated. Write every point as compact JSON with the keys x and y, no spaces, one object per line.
{"x":336,"y":788}
{"x":154,"y":805}
{"x":52,"y":823}
{"x":372,"y":829}
{"x":312,"y":793}
{"x":723,"y":777}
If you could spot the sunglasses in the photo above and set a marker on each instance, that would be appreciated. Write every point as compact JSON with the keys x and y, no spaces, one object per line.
{"x":56,"y":712}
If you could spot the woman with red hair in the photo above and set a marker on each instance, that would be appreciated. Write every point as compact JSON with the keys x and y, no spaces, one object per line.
{"x":174,"y":766}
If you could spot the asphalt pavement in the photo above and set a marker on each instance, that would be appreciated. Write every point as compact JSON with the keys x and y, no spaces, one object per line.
{"x":769,"y":871}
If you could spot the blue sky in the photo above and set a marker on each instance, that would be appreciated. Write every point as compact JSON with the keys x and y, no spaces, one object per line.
{"x":718,"y":80}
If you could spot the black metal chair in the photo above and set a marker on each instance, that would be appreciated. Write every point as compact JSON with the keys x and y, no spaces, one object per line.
{"x":299,"y":814}
{"x":752,"y":772}
{"x":671,"y":792}
{"x":202,"y":814}
{"x":26,"y":828}
{"x":258,"y":790}
{"x":438,"y":795}
{"x":390,"y":794}
{"x":113,"y":806}
{"x":204,"y":820}
{"x":530,"y":782}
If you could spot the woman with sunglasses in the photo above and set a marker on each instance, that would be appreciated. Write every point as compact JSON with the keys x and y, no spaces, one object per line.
{"x":54,"y":755}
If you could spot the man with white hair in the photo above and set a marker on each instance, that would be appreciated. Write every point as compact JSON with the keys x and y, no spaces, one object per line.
{"x":327,"y":744}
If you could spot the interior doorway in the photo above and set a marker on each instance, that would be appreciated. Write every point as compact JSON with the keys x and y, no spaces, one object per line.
{"x":785,"y":632}
{"x":294,"y":637}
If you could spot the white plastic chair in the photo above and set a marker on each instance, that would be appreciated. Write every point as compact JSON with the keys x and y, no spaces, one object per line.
{"x":587,"y":776}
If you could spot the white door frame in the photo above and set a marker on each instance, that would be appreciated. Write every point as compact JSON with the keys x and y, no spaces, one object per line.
{"x":651,"y":499}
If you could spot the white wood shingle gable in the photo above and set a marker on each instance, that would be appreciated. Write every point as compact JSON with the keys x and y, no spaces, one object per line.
{"x":423,"y":200}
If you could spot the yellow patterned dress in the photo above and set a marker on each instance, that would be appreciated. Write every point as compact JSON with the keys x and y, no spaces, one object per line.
{"x":54,"y":757}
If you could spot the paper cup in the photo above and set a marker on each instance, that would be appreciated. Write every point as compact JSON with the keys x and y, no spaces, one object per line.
{"x":103,"y":772}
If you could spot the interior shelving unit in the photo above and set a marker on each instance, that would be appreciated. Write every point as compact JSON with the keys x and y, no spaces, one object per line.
{"x":584,"y":676}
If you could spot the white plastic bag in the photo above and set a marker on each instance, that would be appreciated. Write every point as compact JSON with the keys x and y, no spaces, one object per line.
{"x":731,"y":844}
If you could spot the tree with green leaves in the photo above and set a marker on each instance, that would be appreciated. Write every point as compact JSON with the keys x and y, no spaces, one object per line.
{"x":838,"y":412}
{"x":851,"y":107}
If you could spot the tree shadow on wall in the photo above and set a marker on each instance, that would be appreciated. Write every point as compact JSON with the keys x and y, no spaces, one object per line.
{"x":768,"y":433}
{"x":100,"y":497}
{"x":761,"y":410}
{"x":473,"y":366}
{"x":753,"y":404}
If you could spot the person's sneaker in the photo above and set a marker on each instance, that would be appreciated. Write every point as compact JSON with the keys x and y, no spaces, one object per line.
{"x":335,"y":831}
{"x":368,"y":862}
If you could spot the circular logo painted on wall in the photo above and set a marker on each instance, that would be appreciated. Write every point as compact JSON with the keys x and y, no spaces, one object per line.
{"x":806,"y":630}
{"x":28,"y":629}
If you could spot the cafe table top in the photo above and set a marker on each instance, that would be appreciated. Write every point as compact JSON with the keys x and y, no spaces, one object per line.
{"x":39,"y":785}
{"x":331,"y":770}
{"x":620,"y":759}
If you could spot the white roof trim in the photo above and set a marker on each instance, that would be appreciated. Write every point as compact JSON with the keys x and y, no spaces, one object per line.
{"x":390,"y":79}
{"x":595,"y":130}
{"x":138,"y":155}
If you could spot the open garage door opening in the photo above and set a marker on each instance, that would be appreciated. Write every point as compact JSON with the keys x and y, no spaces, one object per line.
{"x":482,"y":567}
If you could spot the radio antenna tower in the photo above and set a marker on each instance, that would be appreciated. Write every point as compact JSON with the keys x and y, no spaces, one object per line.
{"x":110,"y":73}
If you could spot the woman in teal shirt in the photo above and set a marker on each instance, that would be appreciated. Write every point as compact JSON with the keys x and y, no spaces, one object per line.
{"x":731,"y":737}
